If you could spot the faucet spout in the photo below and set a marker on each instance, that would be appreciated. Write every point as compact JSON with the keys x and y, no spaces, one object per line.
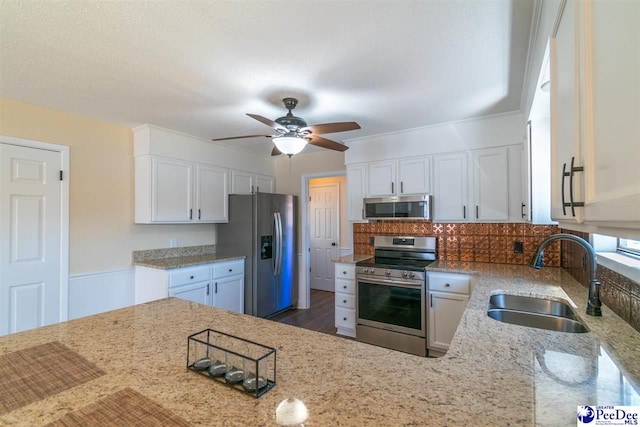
{"x":594,"y":305}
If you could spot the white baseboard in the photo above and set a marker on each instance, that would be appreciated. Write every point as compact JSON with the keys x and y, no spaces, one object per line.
{"x":93,"y":293}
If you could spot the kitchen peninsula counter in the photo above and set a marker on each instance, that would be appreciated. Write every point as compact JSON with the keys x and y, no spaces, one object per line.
{"x":494,"y":373}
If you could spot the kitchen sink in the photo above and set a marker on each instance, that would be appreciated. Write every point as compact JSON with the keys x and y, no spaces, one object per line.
{"x":535,"y":312}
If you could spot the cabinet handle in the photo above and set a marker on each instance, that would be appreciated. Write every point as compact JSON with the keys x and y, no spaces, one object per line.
{"x":252,"y":189}
{"x":344,"y":272}
{"x":477,"y":216}
{"x":345,"y":286}
{"x":392,"y":188}
{"x":207,"y":289}
{"x":344,"y":301}
{"x":431,"y":300}
{"x":216,"y":290}
{"x":344,"y":318}
{"x":446,"y":285}
{"x":190,"y":213}
{"x":522,"y":212}
{"x":198,"y":213}
{"x":464,"y":212}
{"x":573,"y":170}
{"x":191,"y":277}
{"x":564,"y":174}
{"x":257,"y":189}
{"x":401,"y":187}
{"x":230,"y":270}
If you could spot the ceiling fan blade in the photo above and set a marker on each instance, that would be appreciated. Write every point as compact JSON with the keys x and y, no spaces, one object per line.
{"x":333,"y":127}
{"x":267,"y":122}
{"x":326,"y":143}
{"x":239,"y":137}
{"x":275,"y":151}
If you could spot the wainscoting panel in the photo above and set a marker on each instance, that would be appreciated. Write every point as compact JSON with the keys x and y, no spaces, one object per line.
{"x":93,"y":293}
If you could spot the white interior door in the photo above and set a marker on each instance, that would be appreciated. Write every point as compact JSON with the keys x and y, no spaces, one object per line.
{"x":30,"y":233}
{"x":323,"y":216}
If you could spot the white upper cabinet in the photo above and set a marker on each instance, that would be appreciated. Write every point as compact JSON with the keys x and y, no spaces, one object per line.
{"x":415,"y":175}
{"x":176,"y":191}
{"x":490,"y":185}
{"x":211,"y":194}
{"x":493,"y":196}
{"x":356,"y":190}
{"x":399,"y":177}
{"x":611,"y":124}
{"x":595,"y":114}
{"x":450,"y":187}
{"x":382,"y":179}
{"x":243,"y":182}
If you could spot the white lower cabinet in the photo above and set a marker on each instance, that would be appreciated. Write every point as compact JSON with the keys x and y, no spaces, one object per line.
{"x":447,"y":300}
{"x":228,"y":285}
{"x":345,"y":296}
{"x":219,"y":284}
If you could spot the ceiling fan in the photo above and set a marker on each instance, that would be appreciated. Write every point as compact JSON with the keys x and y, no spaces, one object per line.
{"x":293,"y":133}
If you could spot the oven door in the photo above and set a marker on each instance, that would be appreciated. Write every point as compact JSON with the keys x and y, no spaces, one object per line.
{"x":391,"y":304}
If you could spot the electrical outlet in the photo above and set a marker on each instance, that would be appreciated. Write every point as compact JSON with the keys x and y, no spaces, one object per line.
{"x":518,"y":247}
{"x":173,"y":243}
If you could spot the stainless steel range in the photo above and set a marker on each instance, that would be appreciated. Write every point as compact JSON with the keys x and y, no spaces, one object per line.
{"x":391,"y":293}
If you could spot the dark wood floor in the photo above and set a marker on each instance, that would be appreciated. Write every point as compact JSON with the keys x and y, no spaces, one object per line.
{"x":319,"y":317}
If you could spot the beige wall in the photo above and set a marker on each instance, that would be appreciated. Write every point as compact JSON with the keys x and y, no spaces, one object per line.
{"x":289,"y":171}
{"x":102,"y":232}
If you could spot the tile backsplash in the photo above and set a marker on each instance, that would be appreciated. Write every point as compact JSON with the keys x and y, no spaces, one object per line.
{"x":479,"y":242}
{"x":619,"y":293}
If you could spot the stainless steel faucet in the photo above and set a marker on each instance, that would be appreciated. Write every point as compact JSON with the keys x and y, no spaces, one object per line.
{"x":593,"y":305}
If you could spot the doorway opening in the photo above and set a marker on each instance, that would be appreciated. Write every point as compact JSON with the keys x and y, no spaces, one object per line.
{"x":320,"y":228}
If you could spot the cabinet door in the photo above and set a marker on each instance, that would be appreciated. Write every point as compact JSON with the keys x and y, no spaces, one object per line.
{"x":445,"y":312}
{"x":211,"y":194}
{"x":356,"y":181}
{"x":611,"y":122}
{"x":171,"y":190}
{"x":228,"y":293}
{"x":415,"y":175}
{"x":242,"y":182}
{"x":382,"y":177}
{"x":264,"y":184}
{"x":197,"y":292}
{"x":490,"y":185}
{"x":450,"y":187}
{"x":565,"y":114}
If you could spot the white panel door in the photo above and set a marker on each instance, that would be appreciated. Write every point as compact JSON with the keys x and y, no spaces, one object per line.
{"x":490,"y":184}
{"x":211,"y":194}
{"x":450,"y":187}
{"x":172,"y":194}
{"x":30,"y":212}
{"x":323,"y":217}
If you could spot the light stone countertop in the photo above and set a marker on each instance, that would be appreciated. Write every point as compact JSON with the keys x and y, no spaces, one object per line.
{"x":351,"y":258}
{"x":185,"y":261}
{"x":494,"y":373}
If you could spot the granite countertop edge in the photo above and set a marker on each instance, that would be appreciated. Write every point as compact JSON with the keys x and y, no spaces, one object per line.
{"x":186,"y":261}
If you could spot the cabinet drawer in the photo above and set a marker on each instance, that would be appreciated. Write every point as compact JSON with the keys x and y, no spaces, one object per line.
{"x":230,"y":268}
{"x":345,"y":318}
{"x":185,"y":276}
{"x":345,"y":300}
{"x":346,"y":271}
{"x":447,"y":282}
{"x":346,"y":286}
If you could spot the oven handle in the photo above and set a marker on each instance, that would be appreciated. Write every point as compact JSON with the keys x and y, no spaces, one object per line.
{"x":390,"y":282}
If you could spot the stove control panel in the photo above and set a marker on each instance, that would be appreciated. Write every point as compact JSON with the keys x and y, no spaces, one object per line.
{"x":390,"y":273}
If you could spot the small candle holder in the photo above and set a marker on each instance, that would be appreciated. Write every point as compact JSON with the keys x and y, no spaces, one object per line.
{"x":236,"y":362}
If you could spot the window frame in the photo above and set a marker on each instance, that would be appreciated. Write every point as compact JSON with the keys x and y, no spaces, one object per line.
{"x":625,"y":249}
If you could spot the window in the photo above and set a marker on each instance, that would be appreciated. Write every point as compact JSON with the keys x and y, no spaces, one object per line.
{"x":629,"y":247}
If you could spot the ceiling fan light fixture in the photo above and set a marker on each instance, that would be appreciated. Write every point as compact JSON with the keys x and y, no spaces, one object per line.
{"x":289,"y":145}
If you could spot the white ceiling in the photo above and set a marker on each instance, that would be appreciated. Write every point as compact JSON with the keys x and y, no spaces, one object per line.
{"x":199,"y":66}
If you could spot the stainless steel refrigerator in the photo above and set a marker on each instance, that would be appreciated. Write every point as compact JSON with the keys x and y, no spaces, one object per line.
{"x":262,"y":227}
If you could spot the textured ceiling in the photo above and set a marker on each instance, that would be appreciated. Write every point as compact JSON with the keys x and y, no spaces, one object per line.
{"x":199,"y":66}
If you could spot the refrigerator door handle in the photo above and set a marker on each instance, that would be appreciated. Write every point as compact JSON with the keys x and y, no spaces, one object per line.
{"x":277,"y":244}
{"x":274,"y":244}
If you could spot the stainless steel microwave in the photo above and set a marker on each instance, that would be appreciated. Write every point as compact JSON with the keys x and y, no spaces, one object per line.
{"x":398,"y":207}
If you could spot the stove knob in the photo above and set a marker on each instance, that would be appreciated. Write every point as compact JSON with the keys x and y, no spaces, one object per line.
{"x":365,"y":270}
{"x":405,"y":274}
{"x":373,"y":270}
{"x":412,"y":275}
{"x":388,"y":272}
